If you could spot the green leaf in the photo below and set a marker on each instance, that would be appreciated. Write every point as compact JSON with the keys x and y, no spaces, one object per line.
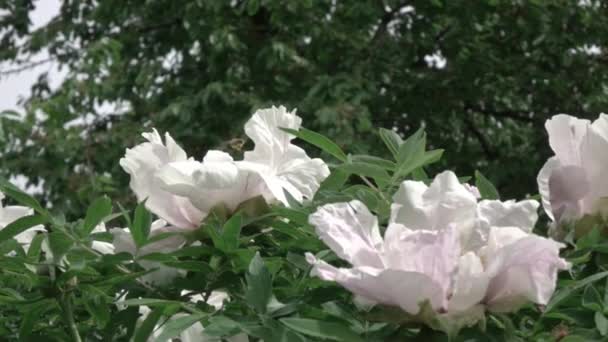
{"x":321,"y":329}
{"x":141,"y":224}
{"x":175,"y":326}
{"x":592,"y":299}
{"x":146,"y":328}
{"x":380,"y":162}
{"x":485,"y":187}
{"x":60,"y":243}
{"x":231,"y":233}
{"x":147,"y":302}
{"x":100,"y":209}
{"x":413,"y":147}
{"x":566,"y":292}
{"x":601,"y":323}
{"x":392,"y":140}
{"x":15,"y":193}
{"x":366,"y":170}
{"x":20,"y":225}
{"x":259,"y":284}
{"x":319,"y":141}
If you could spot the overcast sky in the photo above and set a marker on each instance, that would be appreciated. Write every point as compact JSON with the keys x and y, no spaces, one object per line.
{"x":17,"y":86}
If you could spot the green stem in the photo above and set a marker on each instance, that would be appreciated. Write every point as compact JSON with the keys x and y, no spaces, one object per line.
{"x":65,"y":302}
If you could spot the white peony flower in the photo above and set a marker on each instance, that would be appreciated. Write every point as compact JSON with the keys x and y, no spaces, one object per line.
{"x":183,"y":191}
{"x":441,"y":247}
{"x":572,"y":183}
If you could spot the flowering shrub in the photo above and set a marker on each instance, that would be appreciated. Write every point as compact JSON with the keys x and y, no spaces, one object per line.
{"x":279,"y":246}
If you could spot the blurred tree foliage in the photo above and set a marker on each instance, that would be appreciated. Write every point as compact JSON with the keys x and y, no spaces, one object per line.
{"x":198,"y":69}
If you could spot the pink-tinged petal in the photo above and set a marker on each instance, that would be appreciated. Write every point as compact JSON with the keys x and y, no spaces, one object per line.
{"x":473,"y":190}
{"x":403,"y":289}
{"x":543,"y":184}
{"x":566,"y":134}
{"x":432,"y":253}
{"x":594,"y":162}
{"x":471,"y":284}
{"x":351,"y":231}
{"x":568,"y":186}
{"x":142,"y":163}
{"x":523,"y":267}
{"x":280,"y":164}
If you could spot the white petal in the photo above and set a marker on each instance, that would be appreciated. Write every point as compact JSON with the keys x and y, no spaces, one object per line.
{"x":445,"y":202}
{"x":522,"y":214}
{"x":471,"y":284}
{"x":142,"y":163}
{"x":282,"y":165}
{"x":351,"y":231}
{"x":214,"y":181}
{"x":565,"y":136}
{"x":264,"y":127}
{"x":523,"y":267}
{"x":10,"y":214}
{"x":432,"y":253}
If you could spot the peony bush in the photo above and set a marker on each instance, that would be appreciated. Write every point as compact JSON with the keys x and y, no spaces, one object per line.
{"x":273,"y":245}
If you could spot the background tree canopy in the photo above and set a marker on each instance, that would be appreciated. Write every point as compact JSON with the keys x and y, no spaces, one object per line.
{"x":481,"y":77}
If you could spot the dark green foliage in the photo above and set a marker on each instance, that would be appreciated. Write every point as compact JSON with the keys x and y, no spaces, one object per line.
{"x":199,"y":68}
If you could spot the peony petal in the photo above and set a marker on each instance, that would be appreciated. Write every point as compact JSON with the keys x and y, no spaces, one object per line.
{"x":543,"y":184}
{"x":281,"y":165}
{"x":471,"y":284}
{"x":522,"y":214}
{"x":566,"y":134}
{"x":142,"y":163}
{"x":217,"y":180}
{"x":522,"y":267}
{"x":445,"y":202}
{"x":380,"y":286}
{"x":594,"y":162}
{"x":432,"y":253}
{"x":351,"y":231}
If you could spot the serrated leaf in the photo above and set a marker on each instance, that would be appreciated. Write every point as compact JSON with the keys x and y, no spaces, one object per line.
{"x":485,"y":187}
{"x":97,"y":211}
{"x":321,"y":329}
{"x":318,"y":140}
{"x":259,"y":284}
